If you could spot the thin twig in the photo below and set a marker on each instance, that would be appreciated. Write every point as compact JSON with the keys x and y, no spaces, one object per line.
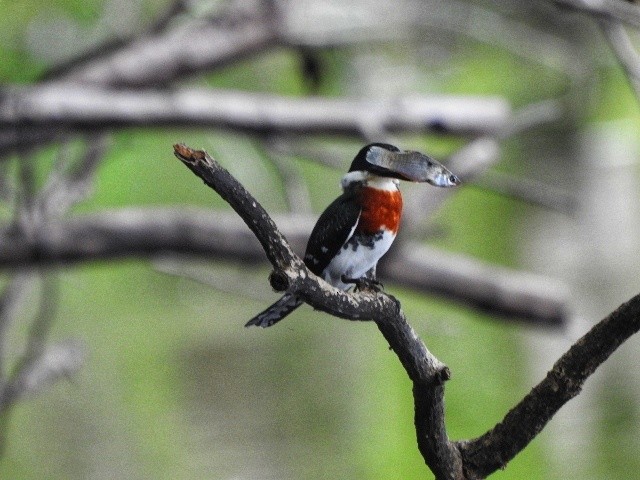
{"x":56,"y":361}
{"x":71,"y":181}
{"x":296,"y":190}
{"x":624,"y":50}
{"x":475,"y":158}
{"x":227,"y":278}
{"x":529,"y":191}
{"x":163,"y":57}
{"x":609,"y":9}
{"x":36,"y":339}
{"x":110,"y":47}
{"x":10,"y":303}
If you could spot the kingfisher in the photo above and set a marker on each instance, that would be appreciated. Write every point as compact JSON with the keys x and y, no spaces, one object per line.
{"x":359,"y":226}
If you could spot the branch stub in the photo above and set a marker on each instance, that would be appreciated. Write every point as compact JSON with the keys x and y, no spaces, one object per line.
{"x":279,"y":280}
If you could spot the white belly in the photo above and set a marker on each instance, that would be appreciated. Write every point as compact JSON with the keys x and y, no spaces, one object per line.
{"x":356,"y":262}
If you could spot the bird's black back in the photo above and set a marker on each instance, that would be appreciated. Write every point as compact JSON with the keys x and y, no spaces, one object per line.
{"x":332,"y":230}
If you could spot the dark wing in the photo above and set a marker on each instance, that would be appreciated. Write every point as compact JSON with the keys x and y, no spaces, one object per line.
{"x":333,"y":228}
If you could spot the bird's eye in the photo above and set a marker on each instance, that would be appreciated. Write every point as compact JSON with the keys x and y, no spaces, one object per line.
{"x":453,"y":179}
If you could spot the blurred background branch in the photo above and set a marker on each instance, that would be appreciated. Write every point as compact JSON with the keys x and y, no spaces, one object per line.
{"x":168,"y":52}
{"x":92,"y":108}
{"x":216,"y":235}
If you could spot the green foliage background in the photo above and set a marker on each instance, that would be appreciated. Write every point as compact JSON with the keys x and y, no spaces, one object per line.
{"x":175,"y":387}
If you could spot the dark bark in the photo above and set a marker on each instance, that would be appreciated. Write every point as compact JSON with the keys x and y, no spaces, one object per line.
{"x":470,"y":459}
{"x":564,"y":381}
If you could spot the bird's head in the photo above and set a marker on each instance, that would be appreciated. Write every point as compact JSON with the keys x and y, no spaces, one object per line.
{"x":386,"y":160}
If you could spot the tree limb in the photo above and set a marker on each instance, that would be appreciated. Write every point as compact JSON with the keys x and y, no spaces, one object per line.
{"x":501,"y":291}
{"x":609,"y":9}
{"x":163,"y":57}
{"x":448,"y":460}
{"x":624,"y":51}
{"x":564,"y":381}
{"x":40,"y":364}
{"x":77,"y":107}
{"x":290,"y":273}
{"x":10,"y":300}
{"x":87,"y":59}
{"x":219,"y":234}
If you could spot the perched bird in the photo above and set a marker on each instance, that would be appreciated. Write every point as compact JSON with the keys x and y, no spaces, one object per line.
{"x":359,"y":226}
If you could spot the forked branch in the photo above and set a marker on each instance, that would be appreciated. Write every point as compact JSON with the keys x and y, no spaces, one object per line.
{"x":467,"y":459}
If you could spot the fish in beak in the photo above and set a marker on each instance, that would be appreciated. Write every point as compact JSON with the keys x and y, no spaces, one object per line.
{"x":412,"y":166}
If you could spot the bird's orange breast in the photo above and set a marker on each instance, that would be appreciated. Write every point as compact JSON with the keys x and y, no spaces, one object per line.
{"x":381,"y":209}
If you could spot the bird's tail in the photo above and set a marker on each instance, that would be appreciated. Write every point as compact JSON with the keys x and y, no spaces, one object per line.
{"x":276,"y":312}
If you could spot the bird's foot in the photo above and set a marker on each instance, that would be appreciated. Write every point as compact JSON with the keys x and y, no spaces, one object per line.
{"x":364,"y":283}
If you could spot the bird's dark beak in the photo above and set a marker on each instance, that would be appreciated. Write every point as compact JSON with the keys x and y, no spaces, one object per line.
{"x":413,"y":166}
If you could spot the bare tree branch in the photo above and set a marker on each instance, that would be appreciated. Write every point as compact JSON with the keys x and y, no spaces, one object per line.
{"x":39,"y":329}
{"x":523,"y":295}
{"x":38,"y":332}
{"x":609,"y":9}
{"x":473,"y":459}
{"x":448,"y":460}
{"x":71,"y":182}
{"x":624,"y":50}
{"x":40,"y":367}
{"x":107,"y":50}
{"x":564,"y":381}
{"x":90,"y":108}
{"x":529,"y":191}
{"x":55,"y":362}
{"x":475,"y":158}
{"x":50,"y":110}
{"x":140,"y":232}
{"x":426,"y":371}
{"x":40,"y":364}
{"x":215,"y":234}
{"x":159,"y":59}
{"x":10,"y":300}
{"x":12,"y":296}
{"x":296,"y":190}
{"x":153,"y":58}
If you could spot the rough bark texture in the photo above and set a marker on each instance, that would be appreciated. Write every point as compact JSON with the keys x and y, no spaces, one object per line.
{"x":564,"y":381}
{"x":467,"y":459}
